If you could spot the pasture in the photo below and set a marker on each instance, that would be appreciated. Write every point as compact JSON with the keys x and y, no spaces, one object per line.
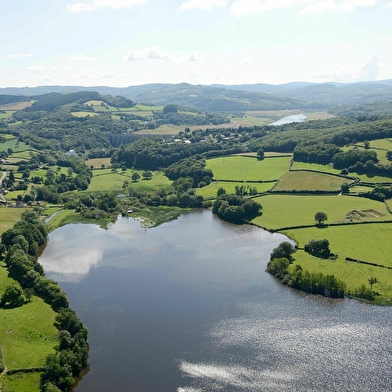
{"x":28,"y":334}
{"x":211,"y":189}
{"x":108,"y":180}
{"x":8,"y":217}
{"x":6,"y":113}
{"x":294,"y":210}
{"x":314,"y":166}
{"x":367,"y":242}
{"x":385,"y":144}
{"x":242,"y":168}
{"x":15,"y":145}
{"x":97,"y":163}
{"x":83,"y":114}
{"x":309,"y":181}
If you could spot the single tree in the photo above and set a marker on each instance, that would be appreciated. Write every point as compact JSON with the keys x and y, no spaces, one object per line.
{"x":135,"y":177}
{"x":260,"y":154}
{"x":372,"y":280}
{"x":221,"y":191}
{"x":13,"y":296}
{"x":320,"y":217}
{"x":147,"y":174}
{"x":345,"y":187}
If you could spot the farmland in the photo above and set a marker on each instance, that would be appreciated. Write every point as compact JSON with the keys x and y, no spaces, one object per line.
{"x":248,"y":169}
{"x":294,"y":210}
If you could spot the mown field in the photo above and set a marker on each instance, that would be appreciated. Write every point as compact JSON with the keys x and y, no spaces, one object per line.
{"x":293,"y":210}
{"x":309,"y":181}
{"x":248,"y":169}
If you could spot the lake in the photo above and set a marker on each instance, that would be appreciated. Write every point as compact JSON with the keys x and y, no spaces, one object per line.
{"x":188,"y":307}
{"x":290,"y":119}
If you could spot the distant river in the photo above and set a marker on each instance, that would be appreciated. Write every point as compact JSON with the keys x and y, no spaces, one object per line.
{"x":290,"y":119}
{"x":187,"y":307}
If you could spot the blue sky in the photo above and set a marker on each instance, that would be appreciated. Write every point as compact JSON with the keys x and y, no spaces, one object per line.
{"x":132,"y":42}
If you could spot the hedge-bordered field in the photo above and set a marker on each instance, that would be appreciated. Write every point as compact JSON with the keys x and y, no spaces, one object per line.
{"x":292,"y":210}
{"x":242,"y":168}
{"x":211,"y":189}
{"x":366,"y":242}
{"x":309,"y":181}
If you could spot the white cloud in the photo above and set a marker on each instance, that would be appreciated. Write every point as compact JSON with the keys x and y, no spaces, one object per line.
{"x":154,"y":53}
{"x":244,"y":7}
{"x":20,"y":56}
{"x":370,"y":70}
{"x":97,"y":4}
{"x":333,"y":5}
{"x":151,"y":53}
{"x":36,"y":68}
{"x":203,"y":4}
{"x":367,"y":71}
{"x":194,"y":57}
{"x":81,"y":57}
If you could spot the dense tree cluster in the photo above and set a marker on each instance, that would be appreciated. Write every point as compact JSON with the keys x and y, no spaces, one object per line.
{"x":349,"y":158}
{"x":235,"y":209}
{"x":318,"y":248}
{"x":71,"y":354}
{"x":315,"y":152}
{"x":193,"y":167}
{"x":151,"y":153}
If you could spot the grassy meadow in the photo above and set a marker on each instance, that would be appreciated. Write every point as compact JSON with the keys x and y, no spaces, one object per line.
{"x":315,"y":167}
{"x":369,"y":242}
{"x":109,"y":180}
{"x":210,"y":190}
{"x":27,"y":337}
{"x":294,"y":210}
{"x":242,"y":168}
{"x":309,"y":181}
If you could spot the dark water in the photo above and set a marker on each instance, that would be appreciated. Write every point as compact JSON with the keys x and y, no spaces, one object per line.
{"x":188,"y":307}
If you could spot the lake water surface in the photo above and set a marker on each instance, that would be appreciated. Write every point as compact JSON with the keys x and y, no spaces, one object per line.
{"x":290,"y":119}
{"x":187,"y":307}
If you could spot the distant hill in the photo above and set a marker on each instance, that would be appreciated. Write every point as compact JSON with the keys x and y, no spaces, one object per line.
{"x":301,"y":95}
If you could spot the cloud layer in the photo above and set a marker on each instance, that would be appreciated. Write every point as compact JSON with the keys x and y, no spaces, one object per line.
{"x":97,"y":4}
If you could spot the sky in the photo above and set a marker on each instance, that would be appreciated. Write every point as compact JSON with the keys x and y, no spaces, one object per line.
{"x":124,"y":43}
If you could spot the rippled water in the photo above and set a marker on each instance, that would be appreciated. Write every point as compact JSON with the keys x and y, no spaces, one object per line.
{"x":188,"y":307}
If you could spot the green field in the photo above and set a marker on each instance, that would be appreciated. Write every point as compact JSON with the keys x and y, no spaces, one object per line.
{"x":211,"y":189}
{"x":8,"y":217}
{"x":15,"y":145}
{"x":248,"y":169}
{"x":98,"y":162}
{"x":314,"y":166}
{"x":27,"y":337}
{"x":84,"y":114}
{"x":309,"y":181}
{"x":107,"y":180}
{"x":360,"y":189}
{"x":290,"y":210}
{"x":385,"y":144}
{"x":7,"y":113}
{"x":368,"y":242}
